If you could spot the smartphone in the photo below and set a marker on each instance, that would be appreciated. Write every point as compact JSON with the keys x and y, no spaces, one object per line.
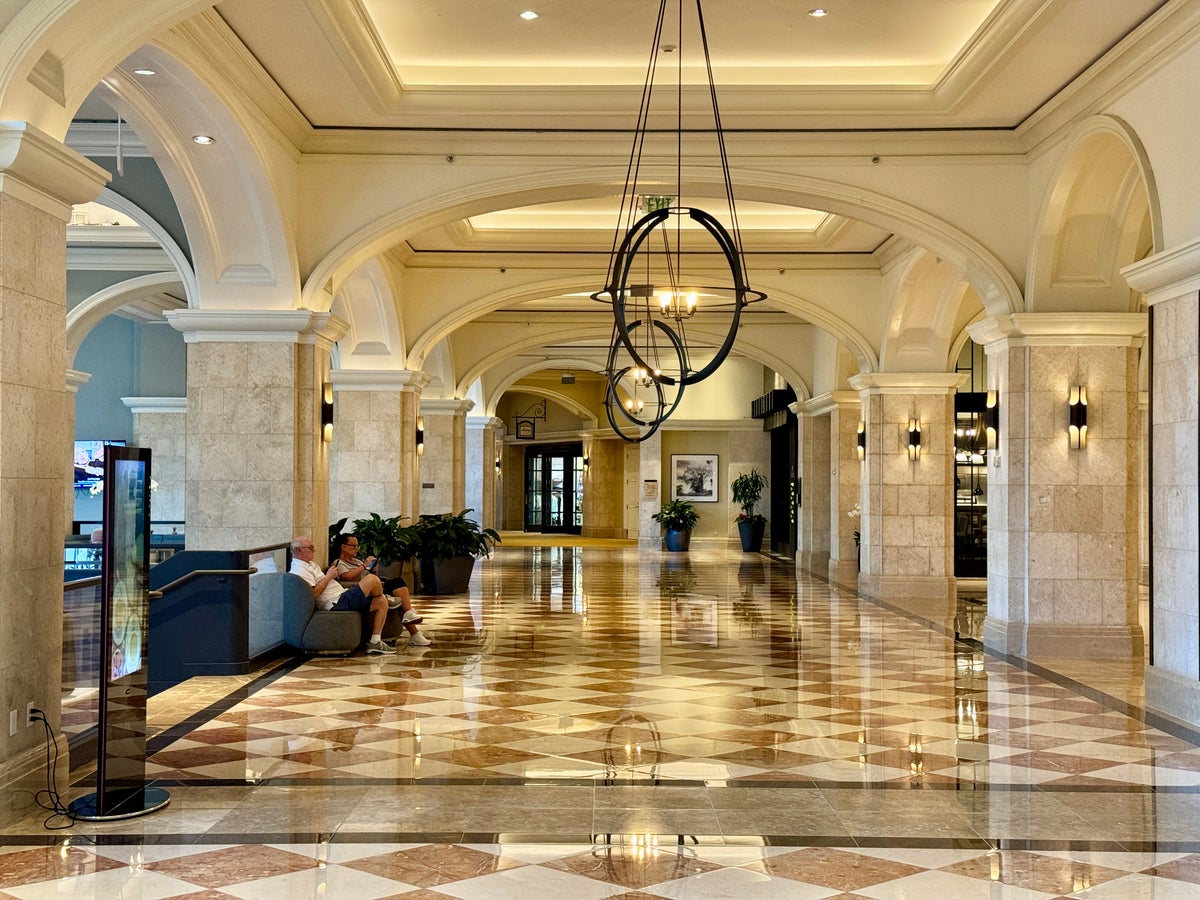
{"x":374,"y":563}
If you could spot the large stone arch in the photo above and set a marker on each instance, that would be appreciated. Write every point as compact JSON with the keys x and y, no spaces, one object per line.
{"x":88,"y":314}
{"x":987,"y":274}
{"x":243,"y":251}
{"x":924,"y":314}
{"x":368,"y":301}
{"x":1100,"y":213}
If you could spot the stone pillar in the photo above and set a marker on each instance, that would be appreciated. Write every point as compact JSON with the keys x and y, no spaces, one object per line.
{"x":812,"y":554}
{"x":1143,"y":431}
{"x":1062,"y":523}
{"x":75,"y":380}
{"x":908,"y":505}
{"x":160,"y":424}
{"x":1169,"y":280}
{"x":444,"y":464}
{"x":39,"y":180}
{"x":845,"y":479}
{"x":482,"y":453}
{"x":372,"y":465}
{"x":604,"y":486}
{"x":257,"y":466}
{"x":651,"y":491}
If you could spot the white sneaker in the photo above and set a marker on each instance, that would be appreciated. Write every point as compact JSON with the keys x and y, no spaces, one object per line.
{"x":419,"y":640}
{"x":379,"y":647}
{"x":411,"y":618}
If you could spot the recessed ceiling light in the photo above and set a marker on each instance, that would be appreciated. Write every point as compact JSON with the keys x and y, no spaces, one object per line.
{"x":144,"y":72}
{"x":203,"y":139}
{"x":529,"y":15}
{"x":819,"y":12}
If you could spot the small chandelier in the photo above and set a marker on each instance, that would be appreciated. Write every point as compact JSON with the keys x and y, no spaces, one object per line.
{"x":660,"y":274}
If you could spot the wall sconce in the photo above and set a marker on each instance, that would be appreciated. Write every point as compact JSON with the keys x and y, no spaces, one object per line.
{"x":327,"y":412}
{"x":420,"y":436}
{"x":862,"y":439}
{"x":587,"y":461}
{"x":1077,"y":422}
{"x":991,"y":419}
{"x":914,"y":440}
{"x":497,"y":467}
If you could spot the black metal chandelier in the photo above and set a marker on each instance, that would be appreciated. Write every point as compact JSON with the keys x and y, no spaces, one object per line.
{"x":661,"y":274}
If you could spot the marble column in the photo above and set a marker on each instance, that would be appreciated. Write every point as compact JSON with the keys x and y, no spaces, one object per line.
{"x":907,"y":505}
{"x":160,"y":424}
{"x":651,"y":491}
{"x":257,"y":466}
{"x":845,"y":480}
{"x":604,"y":485}
{"x":482,"y":453}
{"x":1170,"y":282}
{"x":812,"y":554}
{"x":75,"y":380}
{"x":444,"y":463}
{"x":1062,"y":522}
{"x":39,"y":180}
{"x":373,"y":458}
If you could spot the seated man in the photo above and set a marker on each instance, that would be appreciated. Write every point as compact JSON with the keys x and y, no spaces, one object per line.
{"x":367,"y":595}
{"x":351,"y":571}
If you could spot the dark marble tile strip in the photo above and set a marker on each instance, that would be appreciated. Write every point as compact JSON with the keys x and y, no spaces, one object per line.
{"x":968,"y":788}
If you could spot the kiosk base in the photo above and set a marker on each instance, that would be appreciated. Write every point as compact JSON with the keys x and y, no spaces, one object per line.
{"x":139,"y":802}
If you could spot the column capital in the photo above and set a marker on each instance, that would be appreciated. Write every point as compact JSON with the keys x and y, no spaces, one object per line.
{"x":907,"y":382}
{"x":382,"y":380}
{"x":452,"y":406}
{"x":826,"y":402}
{"x":45,"y":173}
{"x":257,"y":326}
{"x":77,"y":379}
{"x":1071,"y":329}
{"x":480,"y":423}
{"x":1166,"y":275}
{"x":155,"y":404}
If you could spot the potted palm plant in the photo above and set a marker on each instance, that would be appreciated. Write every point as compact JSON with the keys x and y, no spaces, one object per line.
{"x":447,"y":546}
{"x":386,"y":539}
{"x":678,"y":518}
{"x":747,"y":491}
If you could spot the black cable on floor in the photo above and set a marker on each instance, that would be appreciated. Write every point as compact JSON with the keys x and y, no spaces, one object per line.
{"x":49,"y":797}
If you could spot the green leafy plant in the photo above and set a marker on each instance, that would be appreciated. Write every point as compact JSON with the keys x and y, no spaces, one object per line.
{"x":747,"y":491}
{"x":677,"y":515}
{"x":446,"y":536}
{"x":387,"y":539}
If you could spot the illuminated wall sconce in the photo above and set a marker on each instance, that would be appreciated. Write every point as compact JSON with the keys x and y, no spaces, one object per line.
{"x":1077,"y":423}
{"x":587,"y":461}
{"x":420,"y":436}
{"x":862,"y":440}
{"x":497,"y":467}
{"x":914,"y":440}
{"x":327,"y":412}
{"x":991,"y":419}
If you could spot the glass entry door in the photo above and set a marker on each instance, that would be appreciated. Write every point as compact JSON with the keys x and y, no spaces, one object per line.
{"x":554,"y":488}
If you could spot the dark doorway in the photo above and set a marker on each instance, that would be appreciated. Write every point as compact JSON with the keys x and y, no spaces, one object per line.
{"x":554,"y":488}
{"x":785,"y":488}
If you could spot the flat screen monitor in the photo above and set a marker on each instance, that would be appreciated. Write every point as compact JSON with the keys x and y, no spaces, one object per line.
{"x":89,"y":462}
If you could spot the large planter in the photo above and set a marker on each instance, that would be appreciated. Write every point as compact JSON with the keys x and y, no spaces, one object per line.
{"x":678,"y":541}
{"x":751,"y":534}
{"x":446,"y":576}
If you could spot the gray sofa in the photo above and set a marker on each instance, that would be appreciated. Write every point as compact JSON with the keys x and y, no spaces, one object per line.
{"x":309,"y":628}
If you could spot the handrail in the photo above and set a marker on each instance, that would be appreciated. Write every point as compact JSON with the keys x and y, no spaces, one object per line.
{"x":254,"y":550}
{"x":79,"y":583}
{"x":197,"y":572}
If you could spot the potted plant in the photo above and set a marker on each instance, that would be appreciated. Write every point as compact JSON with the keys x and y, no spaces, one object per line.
{"x":447,"y":546}
{"x":388,"y":540}
{"x":747,"y":490}
{"x":678,"y":518}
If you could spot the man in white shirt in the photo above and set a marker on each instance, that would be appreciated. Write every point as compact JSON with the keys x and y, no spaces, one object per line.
{"x":365,"y":596}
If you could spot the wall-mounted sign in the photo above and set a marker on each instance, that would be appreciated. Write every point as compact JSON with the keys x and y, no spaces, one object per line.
{"x":526,"y":430}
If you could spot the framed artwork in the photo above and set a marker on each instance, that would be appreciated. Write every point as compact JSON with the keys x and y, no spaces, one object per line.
{"x":694,"y":478}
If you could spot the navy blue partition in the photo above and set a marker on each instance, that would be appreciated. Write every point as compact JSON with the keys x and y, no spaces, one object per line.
{"x":202,"y":625}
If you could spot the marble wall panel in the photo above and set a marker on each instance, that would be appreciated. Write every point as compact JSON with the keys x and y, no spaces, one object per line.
{"x":1053,"y":555}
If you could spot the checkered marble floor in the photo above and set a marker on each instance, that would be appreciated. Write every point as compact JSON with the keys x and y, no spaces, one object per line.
{"x":614,"y":722}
